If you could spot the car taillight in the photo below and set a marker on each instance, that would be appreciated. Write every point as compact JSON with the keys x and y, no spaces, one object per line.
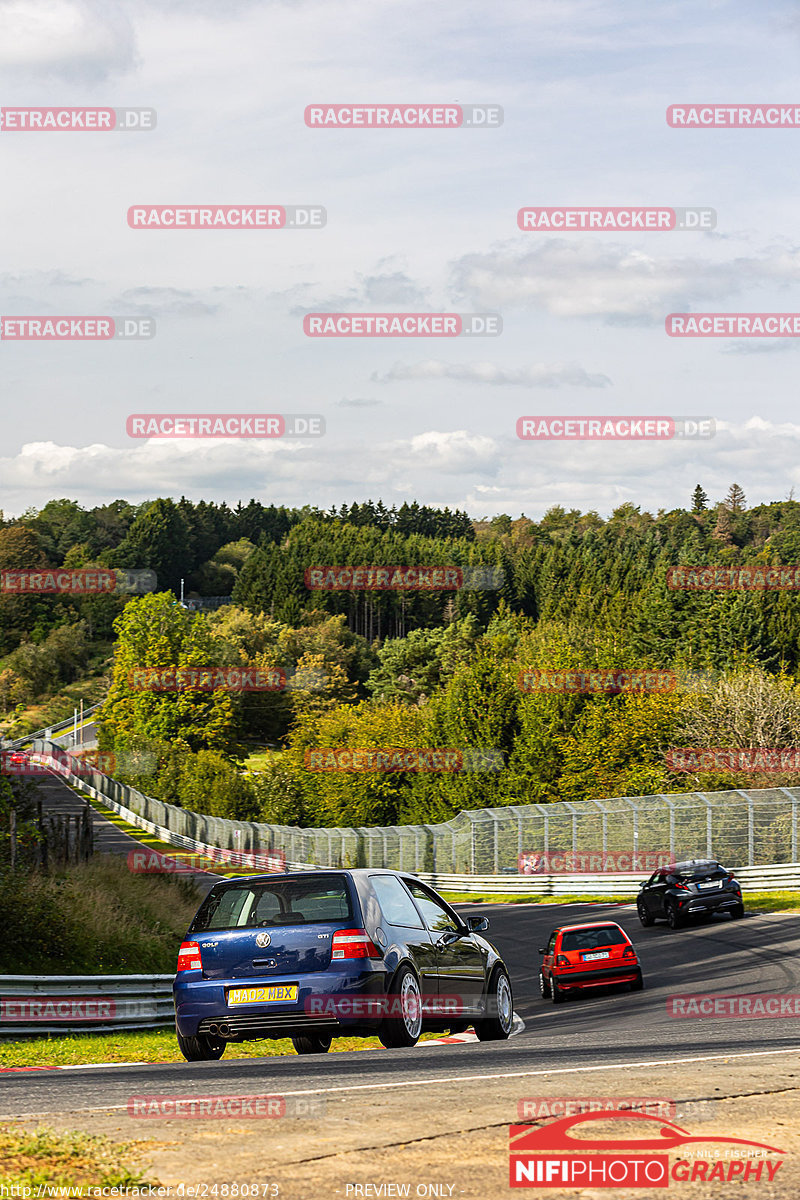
{"x":629,"y":952}
{"x":189,"y":957}
{"x":681,"y":887}
{"x":353,"y":943}
{"x":562,"y":961}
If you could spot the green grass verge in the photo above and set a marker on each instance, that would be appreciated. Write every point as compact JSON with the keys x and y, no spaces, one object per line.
{"x":259,"y":760}
{"x":152,"y":842}
{"x":51,"y":710}
{"x":147,"y":1046}
{"x":499,"y":898}
{"x":772,"y":901}
{"x":95,"y":918}
{"x":67,"y":1159}
{"x":756,"y":902}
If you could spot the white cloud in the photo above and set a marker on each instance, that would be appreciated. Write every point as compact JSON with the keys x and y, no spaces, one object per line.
{"x":584,"y":277}
{"x":73,"y":39}
{"x":537,"y":376}
{"x":391,"y":291}
{"x":475,"y":471}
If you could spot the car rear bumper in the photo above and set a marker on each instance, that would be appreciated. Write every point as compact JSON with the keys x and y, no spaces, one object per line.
{"x":201,"y":1003}
{"x":710,"y":903}
{"x":597,"y":978}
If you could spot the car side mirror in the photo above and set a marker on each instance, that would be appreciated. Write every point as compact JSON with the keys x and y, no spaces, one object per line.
{"x":542,"y":950}
{"x":477,"y":924}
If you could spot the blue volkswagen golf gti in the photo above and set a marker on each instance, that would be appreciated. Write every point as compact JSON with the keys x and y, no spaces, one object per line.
{"x":314,"y":955}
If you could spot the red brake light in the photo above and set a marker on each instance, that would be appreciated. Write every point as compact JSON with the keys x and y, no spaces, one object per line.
{"x":353,"y":943}
{"x":629,"y":952}
{"x":562,"y":961}
{"x":681,"y":887}
{"x":189,"y":957}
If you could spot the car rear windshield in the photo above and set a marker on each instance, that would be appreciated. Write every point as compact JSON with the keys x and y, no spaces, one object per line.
{"x":699,"y":871}
{"x":590,"y":939}
{"x":284,"y":902}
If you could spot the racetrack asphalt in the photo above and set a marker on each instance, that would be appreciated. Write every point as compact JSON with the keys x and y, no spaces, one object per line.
{"x":442,"y":1112}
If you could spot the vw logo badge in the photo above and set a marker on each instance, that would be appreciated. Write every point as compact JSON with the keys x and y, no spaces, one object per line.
{"x":263,"y":939}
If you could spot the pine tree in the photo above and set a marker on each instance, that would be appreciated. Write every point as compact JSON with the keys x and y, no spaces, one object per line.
{"x":699,"y":500}
{"x":723,"y":530}
{"x":735,"y":500}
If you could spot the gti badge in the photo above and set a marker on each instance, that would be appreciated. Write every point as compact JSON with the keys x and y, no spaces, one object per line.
{"x":263,"y":939}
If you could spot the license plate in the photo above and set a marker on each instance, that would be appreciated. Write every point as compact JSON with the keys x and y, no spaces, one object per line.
{"x":278,"y":993}
{"x":715,"y":883}
{"x":597,"y":954}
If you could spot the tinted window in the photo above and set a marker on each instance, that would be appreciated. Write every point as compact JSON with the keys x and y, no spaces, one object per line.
{"x":436,"y":915}
{"x":710,"y":871}
{"x":395,"y":901}
{"x":285,"y":902}
{"x":591,"y":939}
{"x":551,"y":945}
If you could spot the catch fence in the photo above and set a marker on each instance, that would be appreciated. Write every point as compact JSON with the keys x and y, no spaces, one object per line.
{"x":741,"y":828}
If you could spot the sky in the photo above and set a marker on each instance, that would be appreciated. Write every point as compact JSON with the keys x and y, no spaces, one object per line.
{"x":417,"y":221}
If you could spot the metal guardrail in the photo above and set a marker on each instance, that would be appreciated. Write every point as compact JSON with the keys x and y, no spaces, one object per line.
{"x":244,"y":836}
{"x":39,"y":1004}
{"x":51,"y":729}
{"x":776,"y":877}
{"x":743,"y":828}
{"x":772,"y":877}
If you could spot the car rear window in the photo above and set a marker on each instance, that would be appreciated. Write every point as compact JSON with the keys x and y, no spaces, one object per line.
{"x":709,"y":871}
{"x":284,"y":902}
{"x":590,"y":939}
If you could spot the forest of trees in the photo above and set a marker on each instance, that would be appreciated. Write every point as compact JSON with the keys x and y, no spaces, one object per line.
{"x":427,"y":668}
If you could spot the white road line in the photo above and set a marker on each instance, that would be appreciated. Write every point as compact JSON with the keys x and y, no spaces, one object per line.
{"x":385,"y":1085}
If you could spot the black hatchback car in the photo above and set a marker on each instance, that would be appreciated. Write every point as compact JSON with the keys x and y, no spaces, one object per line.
{"x":314,"y":955}
{"x":677,"y":892}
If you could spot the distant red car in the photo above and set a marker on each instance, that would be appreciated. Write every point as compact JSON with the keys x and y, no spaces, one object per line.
{"x":14,"y":762}
{"x":587,"y":956}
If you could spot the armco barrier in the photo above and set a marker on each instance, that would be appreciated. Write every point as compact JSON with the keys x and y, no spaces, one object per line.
{"x":737,"y":827}
{"x":778,"y":877}
{"x":40,"y":1004}
{"x":66,"y":725}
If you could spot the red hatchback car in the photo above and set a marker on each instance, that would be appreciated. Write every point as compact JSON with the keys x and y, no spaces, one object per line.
{"x":587,"y":956}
